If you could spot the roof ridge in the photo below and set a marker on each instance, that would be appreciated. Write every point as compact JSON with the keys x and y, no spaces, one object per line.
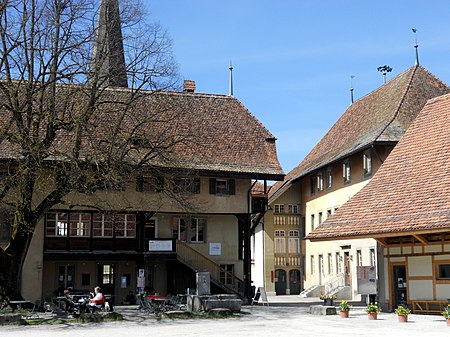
{"x":408,"y":86}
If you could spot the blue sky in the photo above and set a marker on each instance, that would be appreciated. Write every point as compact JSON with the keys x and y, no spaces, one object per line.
{"x":293,"y":59}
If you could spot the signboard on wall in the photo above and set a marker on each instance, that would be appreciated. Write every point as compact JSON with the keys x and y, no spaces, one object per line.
{"x":215,"y":248}
{"x":367,"y":279}
{"x":160,"y":246}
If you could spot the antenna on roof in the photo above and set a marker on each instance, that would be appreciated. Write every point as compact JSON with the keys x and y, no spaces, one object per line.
{"x":231,"y":79}
{"x":416,"y":45}
{"x":351,"y":87}
{"x":384,"y":70}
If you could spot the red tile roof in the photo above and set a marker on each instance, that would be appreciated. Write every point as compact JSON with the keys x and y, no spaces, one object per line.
{"x":410,"y":192}
{"x":213,"y":133}
{"x":381,"y":116}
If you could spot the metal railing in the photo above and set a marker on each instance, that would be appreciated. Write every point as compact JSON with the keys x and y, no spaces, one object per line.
{"x":199,"y":262}
{"x":336,"y":283}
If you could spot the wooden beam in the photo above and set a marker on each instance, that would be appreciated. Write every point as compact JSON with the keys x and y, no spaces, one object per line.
{"x":382,"y":241}
{"x":421,"y":238}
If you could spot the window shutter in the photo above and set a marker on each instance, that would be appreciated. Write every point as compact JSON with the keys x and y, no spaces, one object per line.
{"x":212,"y":186}
{"x":196,"y":187}
{"x":231,"y":187}
{"x":139,"y":184}
{"x":159,"y":184}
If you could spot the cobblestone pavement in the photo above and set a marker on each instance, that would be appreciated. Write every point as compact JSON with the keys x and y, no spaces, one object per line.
{"x":289,"y":317}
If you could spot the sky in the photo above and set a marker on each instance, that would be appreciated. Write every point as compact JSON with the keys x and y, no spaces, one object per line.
{"x":293,"y":60}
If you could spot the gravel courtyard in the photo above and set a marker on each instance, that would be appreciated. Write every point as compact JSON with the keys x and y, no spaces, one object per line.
{"x":291,"y":319}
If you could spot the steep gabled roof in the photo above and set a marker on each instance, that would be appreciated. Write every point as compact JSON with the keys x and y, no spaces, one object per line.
{"x":204,"y":132}
{"x":410,"y":192}
{"x":381,"y":116}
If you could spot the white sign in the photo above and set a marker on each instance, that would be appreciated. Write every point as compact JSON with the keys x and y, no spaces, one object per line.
{"x":367,"y":279}
{"x":215,"y":248}
{"x":141,"y":282}
{"x":160,"y":245}
{"x":141,"y":273}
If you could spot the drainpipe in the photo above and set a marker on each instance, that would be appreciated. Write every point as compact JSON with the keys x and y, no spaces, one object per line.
{"x":247,"y":252}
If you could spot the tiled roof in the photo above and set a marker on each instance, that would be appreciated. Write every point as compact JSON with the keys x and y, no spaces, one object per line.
{"x":410,"y":192}
{"x":206,"y":132}
{"x":381,"y":116}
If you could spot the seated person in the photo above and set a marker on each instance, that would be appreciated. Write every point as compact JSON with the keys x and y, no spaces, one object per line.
{"x":98,"y":300}
{"x":70,"y":305}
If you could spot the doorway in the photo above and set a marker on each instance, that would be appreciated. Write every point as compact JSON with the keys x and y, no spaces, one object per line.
{"x":106,"y":277}
{"x":294,"y":281}
{"x":347,"y":274}
{"x":399,"y":285}
{"x":280,"y":282}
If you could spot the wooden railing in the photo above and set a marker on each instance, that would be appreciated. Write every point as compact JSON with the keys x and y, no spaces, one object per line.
{"x":199,"y":262}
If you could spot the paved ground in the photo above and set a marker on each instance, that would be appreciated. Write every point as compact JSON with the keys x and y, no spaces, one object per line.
{"x":285,"y":316}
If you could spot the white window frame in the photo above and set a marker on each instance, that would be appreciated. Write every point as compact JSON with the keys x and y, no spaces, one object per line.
{"x":280,"y":242}
{"x":346,"y":171}
{"x":312,"y":217}
{"x":373,"y":257}
{"x":359,"y":257}
{"x":329,"y":177}
{"x":294,"y":242}
{"x":320,"y":183}
{"x":330,"y":264}
{"x":197,"y":230}
{"x":279,"y":208}
{"x":293,"y":209}
{"x":367,"y":162}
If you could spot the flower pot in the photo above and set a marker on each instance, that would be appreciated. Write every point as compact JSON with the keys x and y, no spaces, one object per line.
{"x":448,"y":321}
{"x":344,"y":313}
{"x":372,"y":315}
{"x":402,"y":318}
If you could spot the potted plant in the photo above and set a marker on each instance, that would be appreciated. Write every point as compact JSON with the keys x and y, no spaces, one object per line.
{"x":344,"y":309}
{"x":402,"y":313}
{"x":328,"y":299}
{"x":372,"y":310}
{"x":446,"y":314}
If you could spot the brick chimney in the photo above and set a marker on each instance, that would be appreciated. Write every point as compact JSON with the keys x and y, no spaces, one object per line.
{"x":189,"y":86}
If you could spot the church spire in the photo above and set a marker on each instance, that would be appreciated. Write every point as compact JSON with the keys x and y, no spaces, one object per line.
{"x":108,"y":54}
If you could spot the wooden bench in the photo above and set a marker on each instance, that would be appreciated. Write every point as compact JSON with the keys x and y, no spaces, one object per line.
{"x":428,"y":307}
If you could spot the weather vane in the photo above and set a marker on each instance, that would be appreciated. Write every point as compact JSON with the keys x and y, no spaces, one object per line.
{"x":384,"y":70}
{"x":416,"y":45}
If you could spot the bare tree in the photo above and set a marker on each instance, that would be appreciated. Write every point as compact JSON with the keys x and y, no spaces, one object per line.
{"x":62,"y":128}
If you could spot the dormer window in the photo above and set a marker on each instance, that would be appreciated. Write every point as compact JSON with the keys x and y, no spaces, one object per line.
{"x":367,"y":162}
{"x":346,"y":171}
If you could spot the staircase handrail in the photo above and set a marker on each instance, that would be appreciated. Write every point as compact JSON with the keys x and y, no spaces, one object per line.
{"x":335,"y":284}
{"x":199,"y":262}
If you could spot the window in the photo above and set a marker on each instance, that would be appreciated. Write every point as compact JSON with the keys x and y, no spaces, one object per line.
{"x":312,"y":222}
{"x":279,"y":208}
{"x":367,"y":162}
{"x":222,"y":186}
{"x":312,"y":186}
{"x":358,"y":257}
{"x":444,"y":271}
{"x":66,"y":276}
{"x":107,"y":273}
{"x":179,"y":229}
{"x":328,"y":213}
{"x":321,"y":268}
{"x":294,"y":242}
{"x":80,"y":224}
{"x":5,"y":227}
{"x":320,"y":181}
{"x":293,"y":209}
{"x":56,"y":224}
{"x":346,"y":170}
{"x":312,"y":264}
{"x":338,"y":263}
{"x":330,"y":263}
{"x":125,"y":225}
{"x":195,"y":233}
{"x":150,"y":184}
{"x":102,"y":225}
{"x":198,"y":230}
{"x":227,"y":273}
{"x":280,"y":242}
{"x":329,"y":178}
{"x":186,"y":185}
{"x":320,"y":218}
{"x":373,"y":259}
